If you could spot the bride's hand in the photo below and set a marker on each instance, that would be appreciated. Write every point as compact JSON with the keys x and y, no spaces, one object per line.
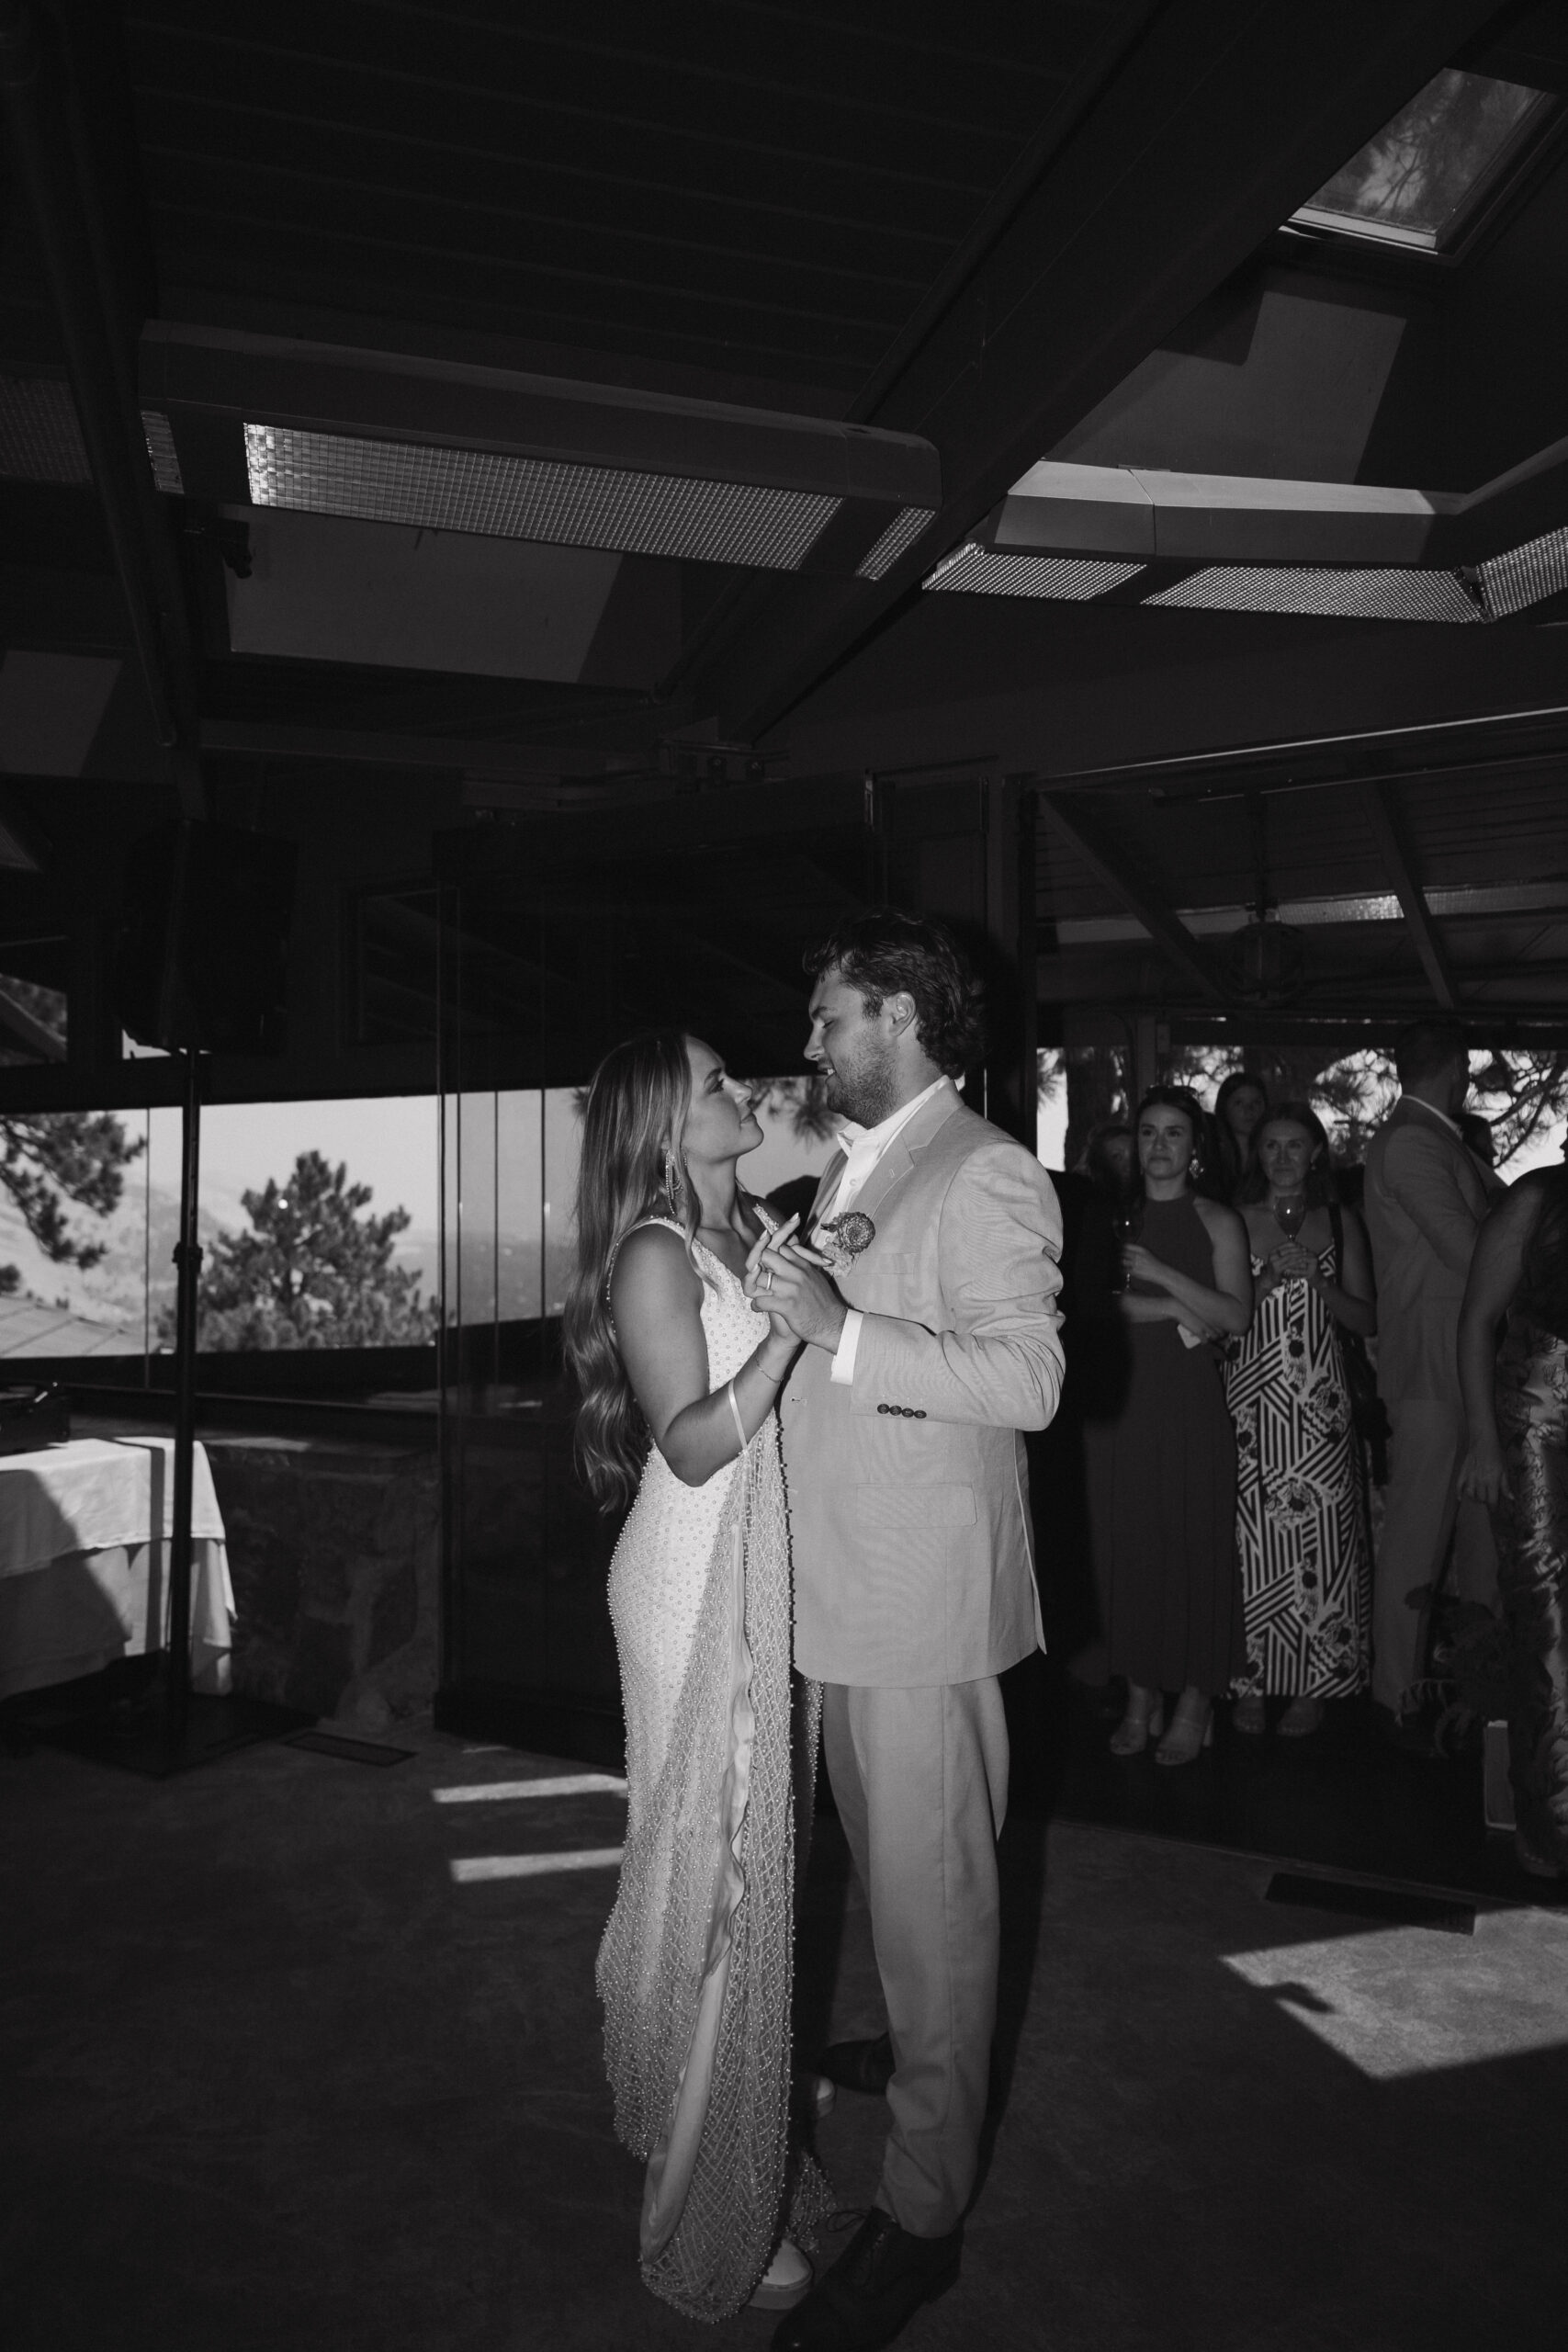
{"x":771,"y":1237}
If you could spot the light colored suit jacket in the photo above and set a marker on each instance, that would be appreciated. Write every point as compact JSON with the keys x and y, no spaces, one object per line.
{"x":1425,"y":1198}
{"x":908,"y":1491}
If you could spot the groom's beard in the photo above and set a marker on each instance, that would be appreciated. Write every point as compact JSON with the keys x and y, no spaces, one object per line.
{"x":867,"y":1095}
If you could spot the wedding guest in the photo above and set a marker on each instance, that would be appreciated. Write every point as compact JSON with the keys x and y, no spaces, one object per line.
{"x":1109,"y":1159}
{"x":1301,"y":1523}
{"x":1426,"y":1198}
{"x":1238,"y":1106}
{"x":1162,"y":1469}
{"x":1516,"y":1404}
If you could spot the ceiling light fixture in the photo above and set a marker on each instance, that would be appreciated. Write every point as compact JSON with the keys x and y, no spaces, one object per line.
{"x":987,"y":571}
{"x":530,"y":498}
{"x":1525,"y":575}
{"x":895,"y":540}
{"x":1367,"y":594}
{"x":386,"y":437}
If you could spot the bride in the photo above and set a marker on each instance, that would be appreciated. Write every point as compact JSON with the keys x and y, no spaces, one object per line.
{"x":695,"y":1970}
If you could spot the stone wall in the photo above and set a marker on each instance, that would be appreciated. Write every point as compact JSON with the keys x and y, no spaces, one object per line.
{"x":334,"y":1549}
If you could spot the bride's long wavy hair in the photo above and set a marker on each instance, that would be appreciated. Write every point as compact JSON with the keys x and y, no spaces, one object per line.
{"x":631,"y":1165}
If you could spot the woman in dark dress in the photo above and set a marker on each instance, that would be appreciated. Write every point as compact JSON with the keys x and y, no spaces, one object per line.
{"x":1162,"y":1473}
{"x":1517,"y":1462}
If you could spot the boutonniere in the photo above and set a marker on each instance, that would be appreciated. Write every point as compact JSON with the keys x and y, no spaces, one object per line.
{"x":840,"y":1240}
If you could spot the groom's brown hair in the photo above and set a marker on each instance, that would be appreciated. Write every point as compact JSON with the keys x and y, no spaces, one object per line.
{"x":891,"y":953}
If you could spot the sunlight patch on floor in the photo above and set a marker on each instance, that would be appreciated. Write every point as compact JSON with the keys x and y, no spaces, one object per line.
{"x":468,"y":1869}
{"x":565,"y":1784}
{"x":1405,"y":2001}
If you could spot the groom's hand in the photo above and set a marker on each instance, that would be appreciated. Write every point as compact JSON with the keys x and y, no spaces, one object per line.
{"x":791,"y":1286}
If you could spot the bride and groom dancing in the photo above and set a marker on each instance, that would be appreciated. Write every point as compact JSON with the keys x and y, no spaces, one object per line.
{"x":854,"y":1476}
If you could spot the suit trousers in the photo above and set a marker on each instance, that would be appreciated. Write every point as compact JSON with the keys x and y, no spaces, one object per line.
{"x":920,"y":1778}
{"x":1421,"y":1513}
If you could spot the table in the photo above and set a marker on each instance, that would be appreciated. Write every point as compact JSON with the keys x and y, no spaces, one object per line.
{"x":85,"y":1532}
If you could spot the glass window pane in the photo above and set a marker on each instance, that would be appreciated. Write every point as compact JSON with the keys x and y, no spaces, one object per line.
{"x":1413,"y":183}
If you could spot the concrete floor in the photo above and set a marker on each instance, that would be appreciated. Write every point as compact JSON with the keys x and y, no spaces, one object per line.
{"x":276,"y":2079}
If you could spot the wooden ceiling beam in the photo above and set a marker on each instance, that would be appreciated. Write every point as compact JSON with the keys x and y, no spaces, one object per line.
{"x":1085,"y":830}
{"x":1197,"y":129}
{"x":1387,"y":825}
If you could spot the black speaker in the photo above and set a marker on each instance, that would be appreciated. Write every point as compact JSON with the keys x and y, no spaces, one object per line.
{"x":204,"y":939}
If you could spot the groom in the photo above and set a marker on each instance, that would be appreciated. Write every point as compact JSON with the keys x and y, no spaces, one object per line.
{"x":932,"y":1345}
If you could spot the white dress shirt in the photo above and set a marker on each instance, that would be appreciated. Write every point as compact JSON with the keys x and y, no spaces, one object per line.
{"x":864,"y":1147}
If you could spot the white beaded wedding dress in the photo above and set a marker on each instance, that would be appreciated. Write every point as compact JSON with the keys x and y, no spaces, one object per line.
{"x":695,"y":1967}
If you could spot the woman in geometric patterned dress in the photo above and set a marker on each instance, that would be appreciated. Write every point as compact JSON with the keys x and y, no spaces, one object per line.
{"x":1300,"y":1531}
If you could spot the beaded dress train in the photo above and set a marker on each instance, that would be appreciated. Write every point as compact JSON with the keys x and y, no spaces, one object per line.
{"x":695,"y":1966}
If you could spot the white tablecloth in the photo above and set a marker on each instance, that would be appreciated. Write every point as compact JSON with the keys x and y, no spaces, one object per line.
{"x":85,"y":1562}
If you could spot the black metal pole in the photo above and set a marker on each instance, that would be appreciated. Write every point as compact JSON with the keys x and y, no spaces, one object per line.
{"x":187,"y":1258}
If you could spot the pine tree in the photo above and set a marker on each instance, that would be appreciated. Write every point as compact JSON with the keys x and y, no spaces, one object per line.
{"x":311,"y":1273}
{"x":48,"y":1158}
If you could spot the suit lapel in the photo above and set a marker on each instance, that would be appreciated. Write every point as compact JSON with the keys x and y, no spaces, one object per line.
{"x":827,"y":1185}
{"x":904,"y":1149}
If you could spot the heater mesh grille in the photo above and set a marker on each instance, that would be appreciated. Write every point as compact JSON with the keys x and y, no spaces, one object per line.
{"x":39,"y":437}
{"x":897,"y":539}
{"x":1526,"y":574}
{"x":1369,"y":595}
{"x":532,"y":498}
{"x":985,"y":571}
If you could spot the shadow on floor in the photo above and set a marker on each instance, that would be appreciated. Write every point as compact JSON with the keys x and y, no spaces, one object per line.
{"x":276,"y":2074}
{"x":1340,"y":1800}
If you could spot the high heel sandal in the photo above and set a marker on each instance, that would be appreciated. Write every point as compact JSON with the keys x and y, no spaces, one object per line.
{"x":1189,"y":1735}
{"x":1301,"y":1719}
{"x":1248,"y":1714}
{"x":1133,"y":1733}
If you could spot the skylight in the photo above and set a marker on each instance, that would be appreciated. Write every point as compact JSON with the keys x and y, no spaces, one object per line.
{"x":1421,"y":181}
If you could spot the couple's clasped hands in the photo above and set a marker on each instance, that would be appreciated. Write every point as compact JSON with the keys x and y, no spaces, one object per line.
{"x":787,"y":1281}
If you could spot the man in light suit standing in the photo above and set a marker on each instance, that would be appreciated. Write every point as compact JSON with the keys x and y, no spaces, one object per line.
{"x":1425,"y":1197}
{"x":932,"y":1345}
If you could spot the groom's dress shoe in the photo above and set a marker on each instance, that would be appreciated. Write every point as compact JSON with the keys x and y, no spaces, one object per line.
{"x":872,"y":2290}
{"x":860,"y":2066}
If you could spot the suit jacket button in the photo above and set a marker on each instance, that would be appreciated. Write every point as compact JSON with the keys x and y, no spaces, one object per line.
{"x":882,"y":1409}
{"x":920,"y":1412}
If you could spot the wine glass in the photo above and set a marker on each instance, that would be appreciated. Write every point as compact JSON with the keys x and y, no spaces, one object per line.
{"x":1290,"y":1215}
{"x":1124,"y":1225}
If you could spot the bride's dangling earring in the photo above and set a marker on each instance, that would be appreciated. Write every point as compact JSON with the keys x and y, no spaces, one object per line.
{"x":674,"y":1182}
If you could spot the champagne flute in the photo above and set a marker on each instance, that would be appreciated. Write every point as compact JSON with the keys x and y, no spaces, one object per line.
{"x":1125,"y":1224}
